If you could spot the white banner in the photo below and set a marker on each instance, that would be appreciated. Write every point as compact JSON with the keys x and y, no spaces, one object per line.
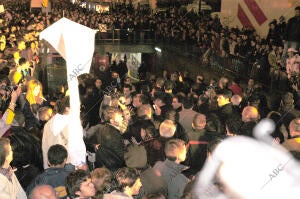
{"x":75,"y":43}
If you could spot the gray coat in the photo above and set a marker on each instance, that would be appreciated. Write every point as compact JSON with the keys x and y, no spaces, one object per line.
{"x":171,"y":173}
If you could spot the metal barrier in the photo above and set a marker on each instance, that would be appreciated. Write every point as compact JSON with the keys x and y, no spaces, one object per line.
{"x":117,"y":36}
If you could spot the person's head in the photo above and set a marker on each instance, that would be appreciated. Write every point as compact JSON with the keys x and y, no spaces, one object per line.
{"x":79,"y":185}
{"x":127,"y":81}
{"x":43,"y":192}
{"x":223,"y":82}
{"x":188,"y":103}
{"x":139,"y":100}
{"x":176,"y":102}
{"x":160,"y":99}
{"x":167,"y":129}
{"x":291,"y":52}
{"x":172,"y":115}
{"x":236,"y":100}
{"x":251,"y":82}
{"x":175,"y":150}
{"x":159,"y":82}
{"x":250,"y":114}
{"x":212,"y":145}
{"x":114,"y":75}
{"x":128,"y":180}
{"x":34,"y":93}
{"x":23,"y":63}
{"x":168,"y":86}
{"x":6,"y":153}
{"x":145,"y":110}
{"x":62,"y":106}
{"x":127,"y":90}
{"x":295,"y":127}
{"x":297,"y":11}
{"x":57,"y":156}
{"x":199,"y":79}
{"x":224,"y":98}
{"x":98,"y":83}
{"x":21,"y":45}
{"x":101,"y":178}
{"x":233,"y":125}
{"x":199,"y":121}
{"x":4,"y":82}
{"x":114,"y":116}
{"x":165,"y":73}
{"x":45,"y":113}
{"x":174,"y":77}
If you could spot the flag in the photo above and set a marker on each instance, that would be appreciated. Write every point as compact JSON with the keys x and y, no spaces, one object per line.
{"x":45,"y":3}
{"x":102,"y":27}
{"x":36,"y":4}
{"x":76,"y":44}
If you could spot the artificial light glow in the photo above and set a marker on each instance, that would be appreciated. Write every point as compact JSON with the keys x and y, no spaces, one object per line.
{"x":157,"y":49}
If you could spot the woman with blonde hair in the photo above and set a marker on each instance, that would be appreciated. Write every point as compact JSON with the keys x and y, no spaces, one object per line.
{"x":31,"y":102}
{"x":34,"y":93}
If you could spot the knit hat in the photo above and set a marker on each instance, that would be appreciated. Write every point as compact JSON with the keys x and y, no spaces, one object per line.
{"x":135,"y":156}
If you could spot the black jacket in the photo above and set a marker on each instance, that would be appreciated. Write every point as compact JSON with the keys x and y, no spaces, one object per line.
{"x":293,"y":30}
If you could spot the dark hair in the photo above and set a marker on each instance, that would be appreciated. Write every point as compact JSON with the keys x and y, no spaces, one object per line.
{"x":62,"y":104}
{"x":126,"y":177}
{"x":179,"y":97}
{"x":164,"y":97}
{"x":226,"y":93}
{"x":57,"y":154}
{"x":3,"y":150}
{"x":297,"y":8}
{"x":187,"y":103}
{"x":127,"y":86}
{"x":212,"y":145}
{"x":276,"y":117}
{"x":143,"y":98}
{"x":22,"y":61}
{"x":234,"y":124}
{"x":74,"y":180}
{"x":172,"y":115}
{"x":168,"y":85}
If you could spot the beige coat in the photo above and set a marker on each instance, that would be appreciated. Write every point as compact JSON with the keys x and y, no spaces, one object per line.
{"x":11,"y":189}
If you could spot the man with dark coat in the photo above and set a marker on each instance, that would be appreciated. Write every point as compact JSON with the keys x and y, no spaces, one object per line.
{"x":292,"y":34}
{"x":109,"y":134}
{"x":226,"y":109}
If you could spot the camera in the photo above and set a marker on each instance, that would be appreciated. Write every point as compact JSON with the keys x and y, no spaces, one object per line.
{"x":9,"y":88}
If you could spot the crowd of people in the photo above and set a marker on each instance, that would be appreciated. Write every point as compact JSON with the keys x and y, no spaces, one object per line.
{"x":151,"y":139}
